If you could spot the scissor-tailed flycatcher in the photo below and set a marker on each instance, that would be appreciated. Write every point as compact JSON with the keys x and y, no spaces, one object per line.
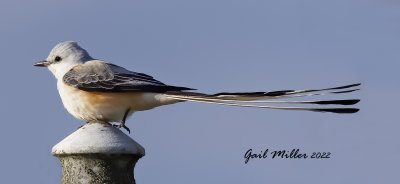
{"x":95,"y":90}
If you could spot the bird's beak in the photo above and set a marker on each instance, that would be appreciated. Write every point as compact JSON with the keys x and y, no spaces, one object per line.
{"x":41,"y":63}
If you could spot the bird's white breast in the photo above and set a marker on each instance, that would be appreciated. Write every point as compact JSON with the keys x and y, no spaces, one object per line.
{"x":107,"y":106}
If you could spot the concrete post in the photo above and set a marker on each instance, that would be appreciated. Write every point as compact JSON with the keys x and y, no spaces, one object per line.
{"x":98,"y":153}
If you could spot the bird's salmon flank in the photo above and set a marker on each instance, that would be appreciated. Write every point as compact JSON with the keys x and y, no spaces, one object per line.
{"x":107,"y":107}
{"x":95,"y":90}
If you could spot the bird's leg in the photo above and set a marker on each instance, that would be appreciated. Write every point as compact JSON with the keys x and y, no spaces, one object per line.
{"x":122,"y":123}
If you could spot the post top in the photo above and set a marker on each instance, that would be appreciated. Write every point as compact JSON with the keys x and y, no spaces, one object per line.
{"x":98,"y":138}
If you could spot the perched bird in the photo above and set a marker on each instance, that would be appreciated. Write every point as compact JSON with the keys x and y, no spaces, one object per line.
{"x":95,"y":90}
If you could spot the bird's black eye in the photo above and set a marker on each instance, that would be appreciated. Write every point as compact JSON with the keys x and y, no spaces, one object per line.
{"x":58,"y":58}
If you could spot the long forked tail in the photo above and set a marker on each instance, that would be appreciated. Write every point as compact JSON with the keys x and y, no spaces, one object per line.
{"x":250,"y":99}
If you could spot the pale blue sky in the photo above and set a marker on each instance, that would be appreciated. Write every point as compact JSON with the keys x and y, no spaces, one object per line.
{"x":213,"y":46}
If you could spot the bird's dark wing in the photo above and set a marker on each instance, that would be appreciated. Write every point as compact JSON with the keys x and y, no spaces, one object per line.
{"x":99,"y":76}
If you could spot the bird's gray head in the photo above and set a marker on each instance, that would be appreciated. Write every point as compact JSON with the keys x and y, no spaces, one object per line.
{"x":63,"y":57}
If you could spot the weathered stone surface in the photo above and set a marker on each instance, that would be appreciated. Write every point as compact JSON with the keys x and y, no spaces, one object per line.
{"x":96,"y":168}
{"x":98,"y":153}
{"x":98,"y":137}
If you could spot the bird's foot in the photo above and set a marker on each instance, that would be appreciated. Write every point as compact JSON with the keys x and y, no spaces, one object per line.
{"x":122,"y":123}
{"x":123,"y":126}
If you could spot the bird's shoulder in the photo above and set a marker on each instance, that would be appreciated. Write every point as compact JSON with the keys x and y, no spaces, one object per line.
{"x":99,"y":67}
{"x":90,"y":65}
{"x":89,"y":72}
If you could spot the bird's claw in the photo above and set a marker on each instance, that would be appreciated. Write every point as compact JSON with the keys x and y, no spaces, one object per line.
{"x":122,"y":123}
{"x":122,"y":126}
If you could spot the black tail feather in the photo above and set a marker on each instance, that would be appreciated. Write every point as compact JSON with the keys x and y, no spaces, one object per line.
{"x":287,"y":92}
{"x":337,"y":102}
{"x":338,"y":110}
